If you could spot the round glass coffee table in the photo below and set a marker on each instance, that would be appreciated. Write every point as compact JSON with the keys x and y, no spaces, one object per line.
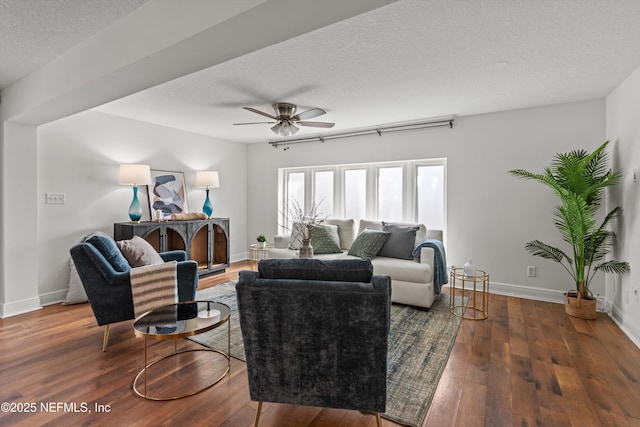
{"x":176,"y":321}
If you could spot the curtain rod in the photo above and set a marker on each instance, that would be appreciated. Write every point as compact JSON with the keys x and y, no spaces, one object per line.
{"x":379,"y":130}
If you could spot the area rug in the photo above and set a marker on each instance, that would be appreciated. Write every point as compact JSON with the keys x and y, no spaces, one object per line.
{"x":420,"y":342}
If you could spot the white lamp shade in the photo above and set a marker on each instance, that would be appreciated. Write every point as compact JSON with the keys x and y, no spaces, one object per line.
{"x":135,"y":175}
{"x":207,"y":179}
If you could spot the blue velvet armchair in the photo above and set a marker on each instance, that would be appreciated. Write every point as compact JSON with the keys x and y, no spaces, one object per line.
{"x":315,"y":333}
{"x":105,"y":272}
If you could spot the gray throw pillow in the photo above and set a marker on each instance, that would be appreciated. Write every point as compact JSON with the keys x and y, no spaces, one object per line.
{"x":401,"y":241}
{"x":325,"y":239}
{"x":368,"y":243}
{"x":76,"y":293}
{"x":139,"y":252}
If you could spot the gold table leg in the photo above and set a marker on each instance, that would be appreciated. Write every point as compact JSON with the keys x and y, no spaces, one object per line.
{"x":147,"y":365}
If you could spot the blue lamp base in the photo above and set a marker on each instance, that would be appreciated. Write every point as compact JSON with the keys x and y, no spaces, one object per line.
{"x":207,"y":208}
{"x":135,"y":210}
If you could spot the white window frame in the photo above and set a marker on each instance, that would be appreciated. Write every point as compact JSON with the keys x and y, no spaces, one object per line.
{"x":410,"y":189}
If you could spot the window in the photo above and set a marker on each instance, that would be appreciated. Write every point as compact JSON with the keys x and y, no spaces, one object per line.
{"x":430,"y":195}
{"x":411,"y":191}
{"x":390,"y":197}
{"x":323,"y":192}
{"x":295,"y":194}
{"x":355,"y":194}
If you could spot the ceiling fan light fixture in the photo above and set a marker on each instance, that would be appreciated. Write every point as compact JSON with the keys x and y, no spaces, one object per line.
{"x":286,"y":119}
{"x":284,"y":129}
{"x":293,"y":129}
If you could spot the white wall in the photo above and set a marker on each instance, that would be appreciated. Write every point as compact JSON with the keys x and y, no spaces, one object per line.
{"x":19,"y":218}
{"x":623,"y":127}
{"x":102,"y":69}
{"x":80,"y":156}
{"x":490,"y":215}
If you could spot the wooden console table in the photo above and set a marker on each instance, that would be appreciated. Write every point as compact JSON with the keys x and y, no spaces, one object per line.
{"x":205,"y":241}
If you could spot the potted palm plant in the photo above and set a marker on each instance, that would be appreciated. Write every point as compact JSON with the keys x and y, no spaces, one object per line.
{"x":578,"y":179}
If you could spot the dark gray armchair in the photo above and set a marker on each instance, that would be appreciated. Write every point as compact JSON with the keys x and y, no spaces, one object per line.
{"x":104,"y":273}
{"x":315,"y":333}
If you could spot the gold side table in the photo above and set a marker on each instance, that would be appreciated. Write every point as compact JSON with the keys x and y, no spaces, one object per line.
{"x":477,"y":307}
{"x":257,"y":252}
{"x":176,"y":321}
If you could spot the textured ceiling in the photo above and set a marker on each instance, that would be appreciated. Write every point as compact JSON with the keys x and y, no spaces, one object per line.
{"x":410,"y":60}
{"x":33,"y":32}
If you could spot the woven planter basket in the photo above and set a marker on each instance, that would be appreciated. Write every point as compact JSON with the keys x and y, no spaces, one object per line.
{"x":582,"y":308}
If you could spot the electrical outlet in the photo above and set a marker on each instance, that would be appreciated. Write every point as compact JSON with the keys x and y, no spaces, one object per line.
{"x":531,"y":271}
{"x":55,"y":198}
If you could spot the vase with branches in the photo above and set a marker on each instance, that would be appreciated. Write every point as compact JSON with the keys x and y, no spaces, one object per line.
{"x":578,"y":178}
{"x":299,"y":221}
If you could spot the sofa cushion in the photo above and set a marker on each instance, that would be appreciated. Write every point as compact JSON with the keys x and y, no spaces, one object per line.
{"x":403,"y":270}
{"x":108,"y":248}
{"x":368,"y":243}
{"x":421,"y":234}
{"x":401,"y":241}
{"x":346,"y":230}
{"x":139,"y":252}
{"x":325,"y":239}
{"x":345,"y":270}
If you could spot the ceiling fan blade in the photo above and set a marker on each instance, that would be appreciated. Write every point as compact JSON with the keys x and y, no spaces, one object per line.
{"x":254,"y":123}
{"x":309,"y":114}
{"x":262,"y":113}
{"x":317,"y":124}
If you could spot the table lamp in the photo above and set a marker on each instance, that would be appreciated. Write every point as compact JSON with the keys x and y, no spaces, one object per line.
{"x":135,"y":175}
{"x":207,"y":179}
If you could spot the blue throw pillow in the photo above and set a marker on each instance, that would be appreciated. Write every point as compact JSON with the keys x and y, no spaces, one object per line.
{"x":109,"y":249}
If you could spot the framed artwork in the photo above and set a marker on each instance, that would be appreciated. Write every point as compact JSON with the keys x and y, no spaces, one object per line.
{"x":167,"y":193}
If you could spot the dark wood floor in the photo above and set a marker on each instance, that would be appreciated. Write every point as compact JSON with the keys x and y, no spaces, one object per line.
{"x":528,"y":364}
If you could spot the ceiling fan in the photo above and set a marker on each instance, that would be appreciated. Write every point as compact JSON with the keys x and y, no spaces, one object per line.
{"x":286,"y":119}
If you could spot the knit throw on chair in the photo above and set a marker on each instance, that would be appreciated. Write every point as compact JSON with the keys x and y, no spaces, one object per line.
{"x":153,"y":286}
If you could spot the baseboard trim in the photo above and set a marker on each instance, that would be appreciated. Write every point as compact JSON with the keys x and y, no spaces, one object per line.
{"x":239,"y":257}
{"x":53,"y":297}
{"x":20,"y":307}
{"x":528,"y":292}
{"x":629,"y":329}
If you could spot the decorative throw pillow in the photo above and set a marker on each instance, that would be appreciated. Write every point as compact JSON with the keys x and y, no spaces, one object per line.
{"x":368,"y":243}
{"x":325,"y":239}
{"x":108,"y":248}
{"x":76,"y":293}
{"x":139,"y":252}
{"x":401,"y":241}
{"x":296,"y":236}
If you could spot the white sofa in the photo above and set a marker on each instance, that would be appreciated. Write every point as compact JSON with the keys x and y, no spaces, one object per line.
{"x":412,"y":281}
